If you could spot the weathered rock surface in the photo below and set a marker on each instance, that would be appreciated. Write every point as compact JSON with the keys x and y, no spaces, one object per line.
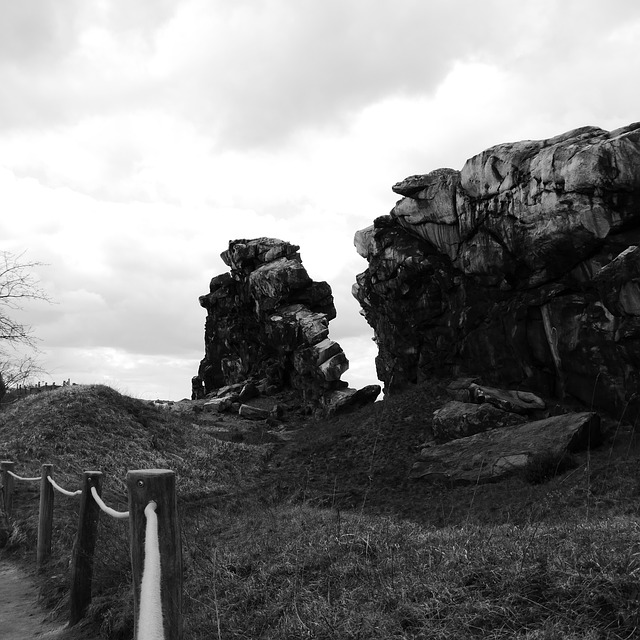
{"x":217,"y":404}
{"x":523,"y":267}
{"x":345,"y":400}
{"x":523,"y":402}
{"x":267,"y":326}
{"x":461,"y":419}
{"x":489,"y":456}
{"x":248,"y":391}
{"x":253,"y":413}
{"x":197,"y":388}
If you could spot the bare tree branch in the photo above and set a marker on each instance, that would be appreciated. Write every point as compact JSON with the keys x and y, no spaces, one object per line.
{"x":17,"y":281}
{"x":23,"y":370}
{"x":17,"y":285}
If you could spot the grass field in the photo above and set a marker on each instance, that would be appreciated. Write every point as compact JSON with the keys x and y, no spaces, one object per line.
{"x":323,"y":535}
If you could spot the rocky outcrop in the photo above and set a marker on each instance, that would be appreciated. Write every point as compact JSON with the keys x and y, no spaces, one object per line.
{"x":478,"y":408}
{"x":461,"y":419}
{"x":523,"y":267}
{"x":513,"y":401}
{"x":490,"y":456}
{"x":268,"y":323}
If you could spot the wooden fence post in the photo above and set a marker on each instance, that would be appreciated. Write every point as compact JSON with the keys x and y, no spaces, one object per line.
{"x":45,"y":516}
{"x":84,"y":547}
{"x":8,"y":482}
{"x":158,"y":485}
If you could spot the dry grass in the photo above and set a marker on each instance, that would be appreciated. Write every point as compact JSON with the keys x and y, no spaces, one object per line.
{"x":263,"y":560}
{"x":86,"y":428}
{"x":298,"y":572}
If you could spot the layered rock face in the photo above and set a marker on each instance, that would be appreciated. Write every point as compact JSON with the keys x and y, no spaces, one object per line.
{"x":268,"y":321}
{"x":524,"y":267}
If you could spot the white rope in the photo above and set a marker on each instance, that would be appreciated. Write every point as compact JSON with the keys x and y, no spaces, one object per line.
{"x":57,"y":487}
{"x":108,"y":510}
{"x":150,"y":618}
{"x":17,"y":477}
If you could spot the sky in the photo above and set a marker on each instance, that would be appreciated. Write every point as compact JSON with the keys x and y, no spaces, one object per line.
{"x":138,"y":138}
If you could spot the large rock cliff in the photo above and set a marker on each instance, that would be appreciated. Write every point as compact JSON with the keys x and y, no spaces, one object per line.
{"x":268,"y":322}
{"x":524,"y":267}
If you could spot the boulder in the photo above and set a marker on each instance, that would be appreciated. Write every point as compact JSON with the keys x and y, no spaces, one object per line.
{"x":523,"y":267}
{"x":253,"y":413}
{"x":345,"y":400}
{"x":460,"y":419}
{"x":492,"y":455}
{"x":212,"y":405}
{"x":267,"y":320}
{"x":366,"y":395}
{"x":523,"y":402}
{"x":221,"y":405}
{"x":459,"y":389}
{"x":248,"y":391}
{"x":228,"y":390}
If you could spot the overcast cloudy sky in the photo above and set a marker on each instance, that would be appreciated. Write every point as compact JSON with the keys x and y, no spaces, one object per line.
{"x":137,"y":137}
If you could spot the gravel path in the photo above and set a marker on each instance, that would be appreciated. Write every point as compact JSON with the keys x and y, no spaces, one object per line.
{"x":21,"y":617}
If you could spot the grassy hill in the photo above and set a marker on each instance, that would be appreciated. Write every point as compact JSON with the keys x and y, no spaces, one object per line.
{"x":317,"y":532}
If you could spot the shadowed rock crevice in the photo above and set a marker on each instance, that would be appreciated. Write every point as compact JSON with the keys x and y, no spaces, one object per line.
{"x":523,"y":267}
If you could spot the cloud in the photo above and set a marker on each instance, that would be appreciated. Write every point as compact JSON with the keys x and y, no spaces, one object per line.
{"x":33,"y":34}
{"x":139,"y":375}
{"x":138,"y":138}
{"x":62,"y":62}
{"x":251,"y":75}
{"x":272,"y":68}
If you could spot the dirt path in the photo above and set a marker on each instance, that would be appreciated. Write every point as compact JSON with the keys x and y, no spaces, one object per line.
{"x":21,"y":617}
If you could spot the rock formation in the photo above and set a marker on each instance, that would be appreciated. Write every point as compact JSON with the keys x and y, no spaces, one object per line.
{"x":461,"y":419}
{"x":494,"y":454}
{"x":524,"y":267}
{"x":486,"y":434}
{"x":268,"y":322}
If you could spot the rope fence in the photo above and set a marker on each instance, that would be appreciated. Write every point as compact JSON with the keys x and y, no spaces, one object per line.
{"x":154,"y":540}
{"x":149,"y":622}
{"x":119,"y":515}
{"x":17,"y":477}
{"x":59,"y":489}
